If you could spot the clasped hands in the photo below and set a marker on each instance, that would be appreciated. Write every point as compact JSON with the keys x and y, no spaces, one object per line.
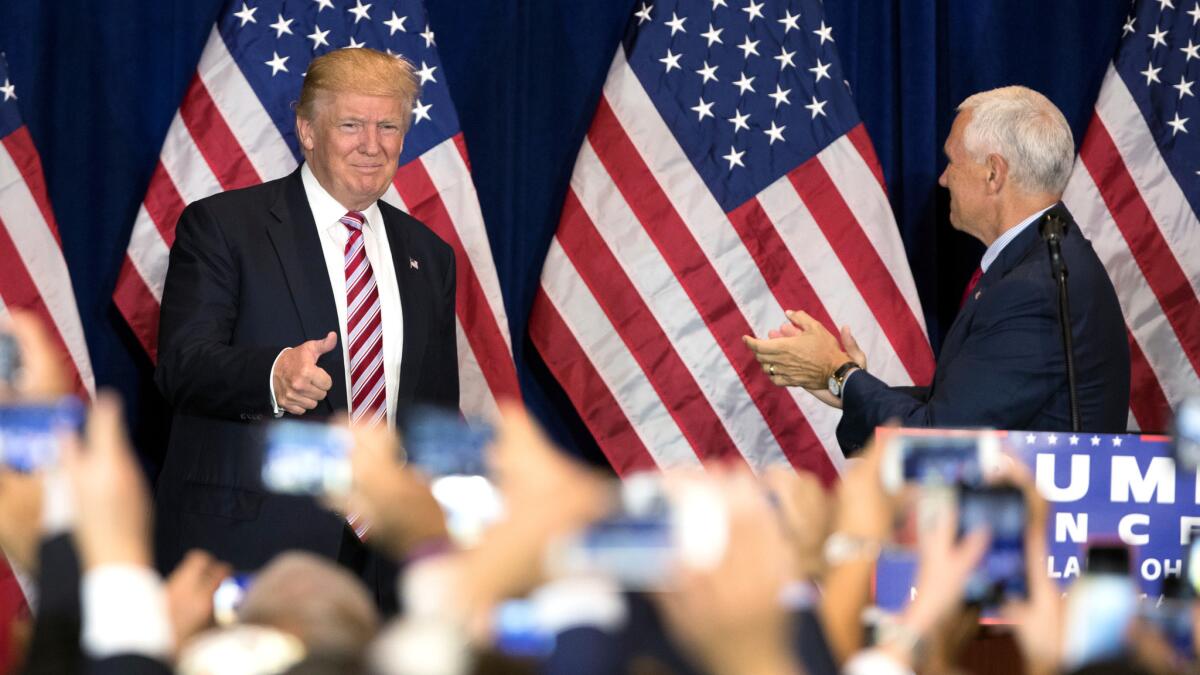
{"x":803,"y":353}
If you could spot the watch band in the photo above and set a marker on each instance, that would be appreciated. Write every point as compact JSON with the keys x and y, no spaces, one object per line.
{"x":838,"y":379}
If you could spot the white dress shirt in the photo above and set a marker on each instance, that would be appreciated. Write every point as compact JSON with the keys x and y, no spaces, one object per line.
{"x":333,"y":235}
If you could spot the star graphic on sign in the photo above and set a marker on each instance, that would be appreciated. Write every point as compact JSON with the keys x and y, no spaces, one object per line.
{"x":671,"y":59}
{"x":1116,"y":440}
{"x":1195,"y":13}
{"x":1184,"y":87}
{"x":824,"y":32}
{"x":324,"y":4}
{"x":421,"y":112}
{"x":282,"y":26}
{"x":785,"y":58}
{"x":246,"y":15}
{"x":1177,"y":125}
{"x":780,"y":96}
{"x":1095,"y":441}
{"x":734,"y":158}
{"x":277,"y":63}
{"x":749,"y":47}
{"x":775,"y":132}
{"x":1159,"y":37}
{"x":703,"y":109}
{"x":1030,"y":439}
{"x":360,"y":11}
{"x":739,"y":121}
{"x":428,"y":35}
{"x":1163,"y":5}
{"x":643,"y":14}
{"x":1053,"y":439}
{"x":822,"y":70}
{"x":708,"y":73}
{"x":1073,"y":439}
{"x":754,"y":10}
{"x":789,"y":22}
{"x":713,"y":35}
{"x":817,"y":107}
{"x":1128,"y":28}
{"x":1192,"y":50}
{"x":396,"y":23}
{"x":426,"y":73}
{"x":318,"y":36}
{"x":355,"y":44}
{"x":676,"y":24}
{"x":744,"y":84}
{"x":9,"y":90}
{"x":1151,"y":74}
{"x":719,"y":3}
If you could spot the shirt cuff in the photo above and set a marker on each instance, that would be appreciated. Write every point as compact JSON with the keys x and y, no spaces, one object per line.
{"x":874,"y":662}
{"x":275,"y":409}
{"x":125,"y":613}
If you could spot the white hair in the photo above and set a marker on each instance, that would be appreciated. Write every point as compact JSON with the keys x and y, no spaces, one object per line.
{"x":1027,"y":130}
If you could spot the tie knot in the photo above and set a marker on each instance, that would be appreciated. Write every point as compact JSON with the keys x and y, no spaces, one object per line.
{"x":353,"y":220}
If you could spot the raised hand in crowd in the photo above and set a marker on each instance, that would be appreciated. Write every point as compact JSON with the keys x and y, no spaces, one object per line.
{"x":805,"y":510}
{"x":20,"y":517}
{"x":731,"y":616}
{"x":190,"y":589}
{"x":42,"y":374}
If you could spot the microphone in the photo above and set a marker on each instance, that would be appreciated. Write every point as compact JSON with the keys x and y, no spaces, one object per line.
{"x":1053,"y":228}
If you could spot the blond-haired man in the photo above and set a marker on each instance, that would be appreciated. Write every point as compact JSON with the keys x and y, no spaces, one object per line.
{"x":303,"y":296}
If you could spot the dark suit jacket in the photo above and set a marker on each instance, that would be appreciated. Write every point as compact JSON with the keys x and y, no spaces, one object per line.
{"x":1002,"y":362}
{"x":247,"y":278}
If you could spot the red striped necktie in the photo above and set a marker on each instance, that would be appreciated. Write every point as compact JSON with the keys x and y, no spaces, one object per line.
{"x":368,"y":390}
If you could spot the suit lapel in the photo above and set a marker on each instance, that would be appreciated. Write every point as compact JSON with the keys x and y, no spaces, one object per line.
{"x":294,"y":236}
{"x":414,"y":303}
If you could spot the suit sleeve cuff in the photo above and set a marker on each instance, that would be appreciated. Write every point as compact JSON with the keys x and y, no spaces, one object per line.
{"x":125,"y":613}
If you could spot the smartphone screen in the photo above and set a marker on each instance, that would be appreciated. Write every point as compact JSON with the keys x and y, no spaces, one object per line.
{"x":307,"y":458}
{"x":1000,"y":509}
{"x":440,"y":442}
{"x":30,"y":433}
{"x":1185,"y":432}
{"x":930,"y":459}
{"x":10,"y":361}
{"x":227,"y":599}
{"x":1100,"y":606}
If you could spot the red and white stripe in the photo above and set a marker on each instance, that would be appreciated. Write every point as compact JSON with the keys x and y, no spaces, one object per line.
{"x":222,"y":139}
{"x":34,"y":274}
{"x":649,"y":286}
{"x":1132,"y":209}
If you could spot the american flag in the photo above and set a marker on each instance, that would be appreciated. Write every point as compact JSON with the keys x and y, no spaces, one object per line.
{"x":34,"y":274}
{"x":725,"y":178}
{"x":236,"y":127}
{"x":1136,"y":194}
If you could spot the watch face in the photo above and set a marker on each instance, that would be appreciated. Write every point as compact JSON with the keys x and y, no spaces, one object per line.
{"x":835,"y":387}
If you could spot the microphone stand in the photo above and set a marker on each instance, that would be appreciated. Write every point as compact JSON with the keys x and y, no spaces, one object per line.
{"x":1053,"y":228}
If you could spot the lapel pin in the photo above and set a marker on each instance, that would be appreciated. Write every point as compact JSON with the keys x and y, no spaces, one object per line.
{"x":413,"y":264}
{"x":977,"y":294}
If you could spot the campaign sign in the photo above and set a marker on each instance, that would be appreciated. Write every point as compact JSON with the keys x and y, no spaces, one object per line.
{"x":1100,"y":487}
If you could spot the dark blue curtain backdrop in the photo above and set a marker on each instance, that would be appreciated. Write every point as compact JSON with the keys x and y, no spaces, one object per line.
{"x":99,"y":82}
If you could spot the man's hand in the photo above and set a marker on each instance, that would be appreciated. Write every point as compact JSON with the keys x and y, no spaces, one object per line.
{"x":43,"y":366}
{"x":849,"y":344}
{"x":112,"y":504}
{"x":20,"y":517}
{"x":806,"y":358}
{"x":299,"y":384}
{"x":190,"y":591}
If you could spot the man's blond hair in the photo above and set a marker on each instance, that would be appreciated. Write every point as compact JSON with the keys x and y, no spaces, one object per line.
{"x":359,"y":71}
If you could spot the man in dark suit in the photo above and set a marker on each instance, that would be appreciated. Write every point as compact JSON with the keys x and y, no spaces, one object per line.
{"x":1002,"y":364}
{"x":263,"y":288}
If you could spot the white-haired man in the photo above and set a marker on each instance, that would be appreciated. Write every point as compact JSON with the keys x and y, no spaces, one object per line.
{"x":1010,"y":154}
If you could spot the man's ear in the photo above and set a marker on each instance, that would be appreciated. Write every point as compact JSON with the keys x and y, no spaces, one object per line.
{"x":304,"y":133}
{"x":997,"y":175}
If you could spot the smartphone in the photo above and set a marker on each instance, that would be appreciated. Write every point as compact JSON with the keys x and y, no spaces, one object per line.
{"x":1100,"y":606}
{"x":517,"y":630}
{"x":648,"y":537}
{"x":1171,"y":615}
{"x":306,"y":458}
{"x":441,"y":442}
{"x":1002,"y":510}
{"x":930,"y":459}
{"x":1185,"y":435}
{"x":227,"y":599}
{"x":30,"y":433}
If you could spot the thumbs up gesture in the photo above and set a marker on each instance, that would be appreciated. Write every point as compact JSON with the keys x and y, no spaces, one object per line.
{"x":297,"y":381}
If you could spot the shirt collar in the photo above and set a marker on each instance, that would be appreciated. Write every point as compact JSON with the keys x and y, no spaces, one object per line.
{"x":993,"y":251}
{"x":325,"y":209}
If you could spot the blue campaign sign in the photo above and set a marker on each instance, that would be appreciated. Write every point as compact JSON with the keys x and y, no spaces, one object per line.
{"x":1101,"y":487}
